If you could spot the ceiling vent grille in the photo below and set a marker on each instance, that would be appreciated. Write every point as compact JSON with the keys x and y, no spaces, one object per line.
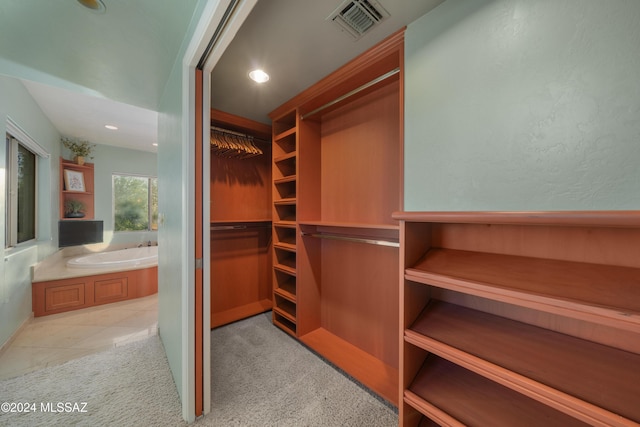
{"x":356,"y":17}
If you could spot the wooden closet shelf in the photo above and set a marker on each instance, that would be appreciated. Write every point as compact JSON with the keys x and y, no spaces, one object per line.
{"x":291,"y":247}
{"x":285,"y":134}
{"x":369,"y":370}
{"x":362,"y":225}
{"x":286,"y":294}
{"x":548,"y":366}
{"x":288,"y":156}
{"x":561,"y":218}
{"x":290,"y":270}
{"x":455,"y":396}
{"x":284,"y":313}
{"x":285,"y":201}
{"x":285,"y":224}
{"x":601,"y":293}
{"x":286,"y":179}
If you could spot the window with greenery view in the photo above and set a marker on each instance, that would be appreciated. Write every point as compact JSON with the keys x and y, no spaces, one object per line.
{"x":21,"y":193}
{"x":135,"y":203}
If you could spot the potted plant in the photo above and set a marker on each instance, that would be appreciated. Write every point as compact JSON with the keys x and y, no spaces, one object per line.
{"x":81,"y":149}
{"x":73,"y":209}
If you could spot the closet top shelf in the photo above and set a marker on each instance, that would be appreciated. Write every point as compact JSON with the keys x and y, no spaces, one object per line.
{"x":350,"y":225}
{"x":629,"y":219}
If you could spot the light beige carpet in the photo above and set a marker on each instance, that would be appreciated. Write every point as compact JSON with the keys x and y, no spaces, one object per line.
{"x":260,"y":377}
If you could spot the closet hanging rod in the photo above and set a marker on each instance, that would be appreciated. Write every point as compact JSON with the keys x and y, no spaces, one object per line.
{"x":237,"y":227}
{"x":234,"y":133}
{"x":354,"y":239}
{"x":353,"y":92}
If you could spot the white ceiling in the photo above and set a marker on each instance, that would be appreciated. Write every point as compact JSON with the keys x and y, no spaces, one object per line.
{"x":293,"y":42}
{"x":86,"y":70}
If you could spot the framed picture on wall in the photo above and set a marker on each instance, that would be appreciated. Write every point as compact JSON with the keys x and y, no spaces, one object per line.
{"x":73,"y":181}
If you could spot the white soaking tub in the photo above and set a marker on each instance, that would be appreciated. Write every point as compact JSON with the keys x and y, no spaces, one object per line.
{"x":132,"y":257}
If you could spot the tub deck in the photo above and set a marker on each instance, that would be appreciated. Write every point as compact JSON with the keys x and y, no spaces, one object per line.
{"x":56,"y":288}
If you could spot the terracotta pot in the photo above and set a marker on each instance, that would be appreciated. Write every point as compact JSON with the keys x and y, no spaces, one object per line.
{"x":79,"y":160}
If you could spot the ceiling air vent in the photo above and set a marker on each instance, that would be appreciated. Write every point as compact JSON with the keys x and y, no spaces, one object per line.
{"x":356,"y":17}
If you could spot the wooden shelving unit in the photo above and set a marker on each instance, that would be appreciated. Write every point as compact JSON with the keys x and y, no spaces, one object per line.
{"x":285,"y":203}
{"x":240,"y":229}
{"x":540,"y":307}
{"x":86,"y":197}
{"x":337,"y":181}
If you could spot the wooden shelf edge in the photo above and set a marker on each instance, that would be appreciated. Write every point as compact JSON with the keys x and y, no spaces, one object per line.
{"x":284,"y":327}
{"x":569,"y":308}
{"x":284,"y":314}
{"x":350,"y":225}
{"x":365,"y":368}
{"x":285,"y":134}
{"x":238,"y":313}
{"x":285,"y":224}
{"x":286,"y":295}
{"x":285,"y":246}
{"x":563,"y":402}
{"x":285,"y":269}
{"x":630,"y":218}
{"x":285,"y":157}
{"x":286,"y":179}
{"x":430,"y":411}
{"x":290,"y":201}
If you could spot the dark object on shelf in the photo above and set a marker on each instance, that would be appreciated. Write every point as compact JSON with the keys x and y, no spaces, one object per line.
{"x":81,"y":232}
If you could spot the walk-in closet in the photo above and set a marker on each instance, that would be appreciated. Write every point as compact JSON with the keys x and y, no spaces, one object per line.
{"x":305,"y":227}
{"x":240,"y":215}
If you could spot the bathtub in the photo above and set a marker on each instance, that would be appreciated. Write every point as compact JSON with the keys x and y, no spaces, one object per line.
{"x":146,"y":255}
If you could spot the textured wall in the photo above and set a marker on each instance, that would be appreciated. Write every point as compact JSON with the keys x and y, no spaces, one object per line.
{"x":523,"y":105}
{"x":15,"y":264}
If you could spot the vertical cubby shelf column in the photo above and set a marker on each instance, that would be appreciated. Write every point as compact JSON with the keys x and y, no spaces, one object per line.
{"x":284,"y":222}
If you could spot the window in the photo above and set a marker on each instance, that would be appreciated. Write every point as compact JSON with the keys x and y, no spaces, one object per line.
{"x":21,"y":193}
{"x":135,"y":203}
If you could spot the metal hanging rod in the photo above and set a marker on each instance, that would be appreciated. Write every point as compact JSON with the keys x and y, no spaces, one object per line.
{"x":354,"y":239}
{"x":263,"y":224}
{"x":353,"y":92}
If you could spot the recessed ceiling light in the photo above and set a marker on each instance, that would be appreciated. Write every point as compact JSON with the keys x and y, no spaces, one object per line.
{"x":258,"y":76}
{"x":155,"y":144}
{"x":96,"y":6}
{"x":111,"y":127}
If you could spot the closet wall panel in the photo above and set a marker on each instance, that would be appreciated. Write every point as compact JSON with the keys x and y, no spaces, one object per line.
{"x":360,"y":157}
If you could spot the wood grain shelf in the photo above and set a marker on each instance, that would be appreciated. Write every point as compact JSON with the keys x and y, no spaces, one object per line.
{"x":291,"y":247}
{"x":602,"y":293}
{"x":454,"y":396}
{"x":537,"y":310}
{"x":285,"y":224}
{"x":586,"y":379}
{"x":286,"y":312}
{"x":367,"y":369}
{"x":284,"y":324}
{"x":285,"y":134}
{"x":284,"y":293}
{"x":286,"y":157}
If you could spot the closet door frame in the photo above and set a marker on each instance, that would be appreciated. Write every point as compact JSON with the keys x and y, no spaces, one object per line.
{"x":210,"y":40}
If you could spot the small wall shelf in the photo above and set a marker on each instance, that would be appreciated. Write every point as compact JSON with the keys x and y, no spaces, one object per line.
{"x":85,"y":197}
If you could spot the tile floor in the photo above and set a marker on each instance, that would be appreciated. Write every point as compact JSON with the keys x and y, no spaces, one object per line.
{"x":58,"y":338}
